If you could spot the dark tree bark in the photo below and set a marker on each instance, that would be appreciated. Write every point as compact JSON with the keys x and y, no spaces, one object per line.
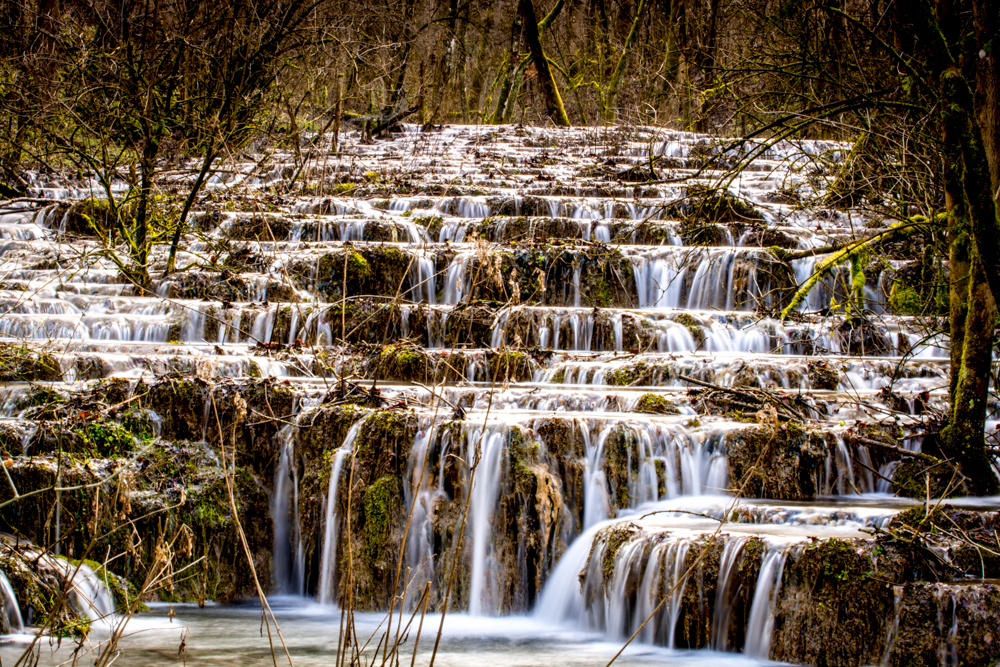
{"x":969,"y":135}
{"x":553,"y":101}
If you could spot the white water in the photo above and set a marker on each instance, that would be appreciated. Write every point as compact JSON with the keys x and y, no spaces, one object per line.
{"x":331,"y":525}
{"x":689,"y":312}
{"x":12,"y":612}
{"x":764,"y":599}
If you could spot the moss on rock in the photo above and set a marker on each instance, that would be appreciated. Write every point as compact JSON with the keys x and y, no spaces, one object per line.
{"x":655,"y":404}
{"x":23,"y":364}
{"x":780,"y":462}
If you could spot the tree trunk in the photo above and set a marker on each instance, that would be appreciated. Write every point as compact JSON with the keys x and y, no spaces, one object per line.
{"x":611,"y":96}
{"x":964,"y":438}
{"x":972,"y":314}
{"x":986,"y":19}
{"x":553,"y":101}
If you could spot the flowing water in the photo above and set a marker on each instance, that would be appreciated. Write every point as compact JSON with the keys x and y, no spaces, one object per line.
{"x":230,"y":635}
{"x":632,"y":301}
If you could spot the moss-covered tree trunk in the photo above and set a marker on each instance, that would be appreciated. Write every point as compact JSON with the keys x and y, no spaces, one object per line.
{"x":959,"y":266}
{"x":972,"y":314}
{"x":972,"y":200}
{"x":964,"y":437}
{"x":553,"y":101}
{"x":611,"y":96}
{"x":986,"y":20}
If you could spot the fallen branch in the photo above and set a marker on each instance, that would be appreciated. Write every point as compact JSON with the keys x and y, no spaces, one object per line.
{"x":760,"y":397}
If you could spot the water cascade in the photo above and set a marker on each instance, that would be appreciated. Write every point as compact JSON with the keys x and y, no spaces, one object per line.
{"x":13,"y":624}
{"x":587,"y":371}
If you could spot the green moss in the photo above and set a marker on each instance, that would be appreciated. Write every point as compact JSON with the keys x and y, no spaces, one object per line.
{"x":510,"y":365}
{"x":22,"y":364}
{"x":138,"y":423}
{"x":836,"y":605}
{"x":781,"y":463}
{"x":614,"y":537}
{"x":433,"y":224}
{"x":621,"y":463}
{"x":357,"y":267}
{"x":911,"y":476}
{"x":656,"y":405}
{"x":381,"y":501}
{"x":121,"y":589}
{"x":89,"y":216}
{"x":629,"y":375}
{"x":107,"y":439}
{"x":401,"y":363}
{"x":688,"y":320}
{"x":905,"y":300}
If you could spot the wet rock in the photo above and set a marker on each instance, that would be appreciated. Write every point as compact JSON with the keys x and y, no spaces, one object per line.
{"x":776,"y":461}
{"x":947,"y":624}
{"x":655,"y":404}
{"x":23,"y":364}
{"x":836,"y":604}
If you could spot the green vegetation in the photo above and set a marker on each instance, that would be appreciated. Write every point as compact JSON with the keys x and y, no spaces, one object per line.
{"x":656,"y":405}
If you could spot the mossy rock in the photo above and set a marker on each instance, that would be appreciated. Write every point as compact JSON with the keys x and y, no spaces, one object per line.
{"x":655,"y":404}
{"x":704,"y":234}
{"x":106,"y":439}
{"x":381,"y":499}
{"x":781,"y":462}
{"x":926,"y":617}
{"x":377,"y":511}
{"x":402,"y":363}
{"x":612,"y":539}
{"x":630,"y":374}
{"x":621,"y":465}
{"x":905,"y":300}
{"x":910,"y":479}
{"x":823,"y":376}
{"x":836,"y":604}
{"x":258,"y":227}
{"x":22,"y":364}
{"x":90,"y":217}
{"x":510,"y":366}
{"x":708,"y":205}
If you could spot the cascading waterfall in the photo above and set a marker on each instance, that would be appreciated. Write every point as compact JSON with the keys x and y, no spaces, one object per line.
{"x":765,"y":598}
{"x":289,"y":556}
{"x":12,"y":612}
{"x":331,"y":525}
{"x":485,"y":446}
{"x":732,"y":556}
{"x":595,"y":494}
{"x":594,"y":357}
{"x":667,"y":559}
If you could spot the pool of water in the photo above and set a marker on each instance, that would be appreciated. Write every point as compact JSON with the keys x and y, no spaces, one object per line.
{"x":235,"y":635}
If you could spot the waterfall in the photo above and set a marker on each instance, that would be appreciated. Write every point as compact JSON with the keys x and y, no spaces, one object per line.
{"x":595,"y":494}
{"x":454,"y":285}
{"x":485,"y":447}
{"x":12,"y":612}
{"x":591,"y":472}
{"x":91,"y":595}
{"x":423,"y":280}
{"x":87,"y":592}
{"x":732,"y":557}
{"x":331,"y":526}
{"x":421,"y":497}
{"x":667,"y":559}
{"x":289,"y":557}
{"x":561,"y":600}
{"x":765,"y":598}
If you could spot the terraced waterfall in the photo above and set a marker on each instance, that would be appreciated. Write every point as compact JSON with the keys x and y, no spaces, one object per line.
{"x":562,"y":347}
